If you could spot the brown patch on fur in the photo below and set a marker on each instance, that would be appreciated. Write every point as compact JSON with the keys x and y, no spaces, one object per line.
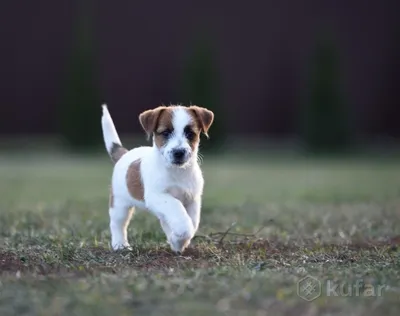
{"x":194,"y":128}
{"x":149,"y":119}
{"x":164,"y":124}
{"x":116,"y":152}
{"x":157,"y":121}
{"x":203,"y":117}
{"x":134,"y":181}
{"x":111,"y":199}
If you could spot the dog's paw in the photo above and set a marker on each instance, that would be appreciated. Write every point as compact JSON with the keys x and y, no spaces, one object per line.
{"x":121,"y":246}
{"x":178,"y":244}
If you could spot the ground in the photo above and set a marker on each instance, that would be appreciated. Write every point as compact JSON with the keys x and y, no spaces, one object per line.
{"x":287,"y":236}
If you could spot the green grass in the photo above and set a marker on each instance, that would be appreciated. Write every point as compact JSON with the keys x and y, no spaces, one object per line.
{"x":337,"y":220}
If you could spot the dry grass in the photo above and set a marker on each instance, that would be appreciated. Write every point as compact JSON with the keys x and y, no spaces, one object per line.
{"x":337,"y":220}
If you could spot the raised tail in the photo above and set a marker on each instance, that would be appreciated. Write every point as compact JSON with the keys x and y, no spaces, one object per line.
{"x":111,"y":138}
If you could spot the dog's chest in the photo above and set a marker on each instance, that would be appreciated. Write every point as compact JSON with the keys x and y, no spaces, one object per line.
{"x":183,"y":188}
{"x":180,"y":194}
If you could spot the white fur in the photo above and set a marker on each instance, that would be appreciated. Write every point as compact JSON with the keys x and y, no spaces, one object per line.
{"x":110,"y":134}
{"x":180,"y":119}
{"x":173,"y":194}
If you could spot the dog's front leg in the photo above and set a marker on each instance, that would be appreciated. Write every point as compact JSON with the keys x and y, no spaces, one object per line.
{"x":194,"y":210}
{"x":174,"y":219}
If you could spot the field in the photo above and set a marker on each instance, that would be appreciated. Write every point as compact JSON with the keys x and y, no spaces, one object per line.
{"x":267,"y":222}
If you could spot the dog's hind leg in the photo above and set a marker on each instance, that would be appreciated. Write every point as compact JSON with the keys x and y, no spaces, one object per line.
{"x":120,"y":217}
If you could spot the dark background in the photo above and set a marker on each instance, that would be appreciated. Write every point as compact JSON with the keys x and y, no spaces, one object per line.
{"x":262,"y":53}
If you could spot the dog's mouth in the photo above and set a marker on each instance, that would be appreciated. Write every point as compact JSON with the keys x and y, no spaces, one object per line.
{"x":182,"y":162}
{"x":179,"y":163}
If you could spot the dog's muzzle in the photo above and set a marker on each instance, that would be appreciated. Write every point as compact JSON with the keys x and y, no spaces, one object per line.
{"x":179,"y":156}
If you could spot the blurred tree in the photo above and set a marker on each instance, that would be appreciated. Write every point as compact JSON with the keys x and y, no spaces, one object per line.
{"x":325,"y":119}
{"x":200,"y":86}
{"x":80,"y":108}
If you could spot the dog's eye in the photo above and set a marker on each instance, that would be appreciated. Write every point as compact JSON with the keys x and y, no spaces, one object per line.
{"x":189,"y":133}
{"x":166,"y":133}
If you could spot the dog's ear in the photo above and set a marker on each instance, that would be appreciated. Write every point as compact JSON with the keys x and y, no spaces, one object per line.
{"x":204,"y":116}
{"x":148,"y":119}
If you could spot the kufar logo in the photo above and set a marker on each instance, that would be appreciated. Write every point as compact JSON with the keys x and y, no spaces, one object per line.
{"x":309,"y":288}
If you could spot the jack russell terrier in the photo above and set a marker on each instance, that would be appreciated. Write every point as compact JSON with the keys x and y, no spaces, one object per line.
{"x":164,"y":178}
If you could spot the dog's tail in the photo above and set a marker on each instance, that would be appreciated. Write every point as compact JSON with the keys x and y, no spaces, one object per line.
{"x":111,"y":138}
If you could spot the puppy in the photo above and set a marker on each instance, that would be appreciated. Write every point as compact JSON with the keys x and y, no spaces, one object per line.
{"x":164,"y":178}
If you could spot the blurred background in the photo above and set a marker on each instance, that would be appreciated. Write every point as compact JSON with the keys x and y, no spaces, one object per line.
{"x":305,"y":95}
{"x":316,"y":75}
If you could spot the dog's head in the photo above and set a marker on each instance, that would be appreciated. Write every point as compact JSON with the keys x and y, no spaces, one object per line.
{"x":176,"y":131}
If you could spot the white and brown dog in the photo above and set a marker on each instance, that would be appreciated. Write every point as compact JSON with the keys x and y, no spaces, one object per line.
{"x":164,"y":178}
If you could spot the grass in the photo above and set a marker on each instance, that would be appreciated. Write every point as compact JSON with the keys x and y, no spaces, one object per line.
{"x":337,"y":220}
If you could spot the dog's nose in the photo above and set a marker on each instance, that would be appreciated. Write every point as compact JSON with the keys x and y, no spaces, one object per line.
{"x":179,"y":154}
